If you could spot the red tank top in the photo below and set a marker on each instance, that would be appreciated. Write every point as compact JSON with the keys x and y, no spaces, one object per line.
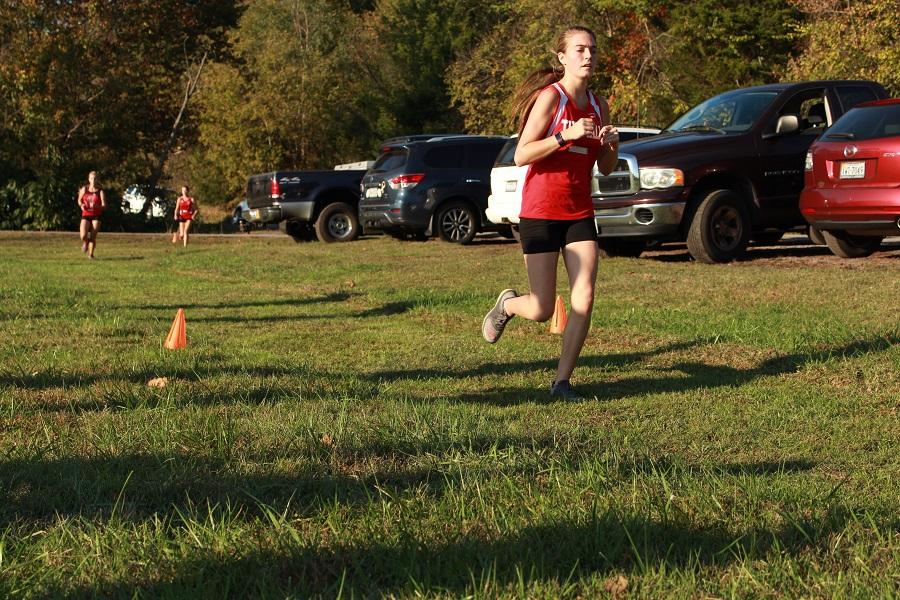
{"x":185,"y":208}
{"x":91,"y":206}
{"x":559,"y":186}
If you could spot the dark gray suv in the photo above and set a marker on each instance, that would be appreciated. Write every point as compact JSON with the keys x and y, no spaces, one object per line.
{"x":438,"y":185}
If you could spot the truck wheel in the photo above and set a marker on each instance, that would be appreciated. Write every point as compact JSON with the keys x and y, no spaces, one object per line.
{"x":298,"y":230}
{"x":611,"y":248}
{"x":720,"y":229}
{"x":337,"y":223}
{"x":457,"y":223}
{"x":815,"y":236}
{"x":845,"y":245}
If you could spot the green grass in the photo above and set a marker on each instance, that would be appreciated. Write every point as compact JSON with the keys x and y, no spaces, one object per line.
{"x":336,"y":426}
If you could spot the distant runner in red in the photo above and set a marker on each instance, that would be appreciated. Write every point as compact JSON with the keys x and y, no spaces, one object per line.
{"x":185,"y":211}
{"x":563,"y":130}
{"x":91,"y":201}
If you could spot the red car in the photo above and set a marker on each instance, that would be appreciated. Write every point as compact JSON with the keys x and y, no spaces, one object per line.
{"x":852,"y":193}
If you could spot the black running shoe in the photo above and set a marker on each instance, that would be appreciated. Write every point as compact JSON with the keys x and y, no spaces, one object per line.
{"x":496,"y":319}
{"x":564,"y":391}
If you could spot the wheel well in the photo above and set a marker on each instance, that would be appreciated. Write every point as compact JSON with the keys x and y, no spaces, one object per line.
{"x":332,"y":196}
{"x":462,"y":199}
{"x":719,"y":181}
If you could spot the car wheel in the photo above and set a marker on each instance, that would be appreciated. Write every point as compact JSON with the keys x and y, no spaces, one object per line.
{"x":720,"y":229}
{"x":815,"y":236}
{"x":337,"y":223}
{"x":846,"y":245}
{"x":611,"y":248}
{"x":298,"y":230}
{"x":457,"y":223}
{"x":767,"y":238}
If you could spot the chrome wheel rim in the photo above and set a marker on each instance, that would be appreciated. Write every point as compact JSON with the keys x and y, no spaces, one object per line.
{"x":456,"y":224}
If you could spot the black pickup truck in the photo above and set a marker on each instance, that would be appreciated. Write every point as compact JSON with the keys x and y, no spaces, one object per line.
{"x":307,"y":204}
{"x":727,"y":171}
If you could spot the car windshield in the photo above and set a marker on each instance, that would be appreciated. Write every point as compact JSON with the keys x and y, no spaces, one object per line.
{"x":866,"y":123}
{"x":732,"y":112}
{"x":390,"y":159}
{"x":506,"y":157}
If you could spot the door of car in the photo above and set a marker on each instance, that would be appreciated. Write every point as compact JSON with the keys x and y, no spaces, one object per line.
{"x":782,"y":155}
{"x":476,"y":175}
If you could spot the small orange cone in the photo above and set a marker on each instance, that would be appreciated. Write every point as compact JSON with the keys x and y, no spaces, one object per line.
{"x":559,"y":319}
{"x":177,"y":337}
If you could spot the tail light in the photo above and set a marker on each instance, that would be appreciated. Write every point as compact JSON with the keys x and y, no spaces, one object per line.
{"x":403,"y":182}
{"x":809,"y":161}
{"x":275,"y":191}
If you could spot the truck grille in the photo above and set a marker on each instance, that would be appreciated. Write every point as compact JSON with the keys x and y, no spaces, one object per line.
{"x":623,"y":181}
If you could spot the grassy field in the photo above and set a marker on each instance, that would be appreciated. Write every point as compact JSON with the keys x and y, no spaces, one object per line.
{"x":337,"y":427}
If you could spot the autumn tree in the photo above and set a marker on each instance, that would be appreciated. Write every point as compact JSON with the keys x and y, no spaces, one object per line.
{"x":91,"y":85}
{"x":849,"y":39}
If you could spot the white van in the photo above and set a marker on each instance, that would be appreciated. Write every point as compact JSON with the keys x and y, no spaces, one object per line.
{"x":507,"y":179}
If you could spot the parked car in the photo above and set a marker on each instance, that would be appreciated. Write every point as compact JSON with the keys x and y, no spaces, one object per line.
{"x":419,"y":187}
{"x":308,"y":203}
{"x":162,"y":200}
{"x":727,"y":171}
{"x":852,"y":192}
{"x":505,"y":201}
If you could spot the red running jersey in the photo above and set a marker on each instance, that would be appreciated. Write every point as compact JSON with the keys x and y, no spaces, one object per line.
{"x":559,"y":186}
{"x":91,"y":206}
{"x":186,"y":208}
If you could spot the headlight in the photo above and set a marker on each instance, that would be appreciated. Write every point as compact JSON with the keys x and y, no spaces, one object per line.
{"x":652,"y":179}
{"x":809,"y":165}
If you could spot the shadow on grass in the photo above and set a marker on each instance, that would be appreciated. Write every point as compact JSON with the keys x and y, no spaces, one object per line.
{"x":324,"y":299}
{"x":558,"y":553}
{"x":691,"y":375}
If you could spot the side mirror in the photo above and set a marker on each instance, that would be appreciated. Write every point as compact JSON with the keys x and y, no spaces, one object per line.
{"x":785,"y":124}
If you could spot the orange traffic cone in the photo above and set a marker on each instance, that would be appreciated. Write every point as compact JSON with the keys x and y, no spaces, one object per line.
{"x":559,"y":319}
{"x":177,"y":337}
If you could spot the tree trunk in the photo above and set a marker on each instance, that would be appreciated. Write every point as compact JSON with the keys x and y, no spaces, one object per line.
{"x":190,"y":88}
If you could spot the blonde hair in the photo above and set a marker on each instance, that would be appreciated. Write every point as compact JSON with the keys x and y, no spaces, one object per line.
{"x":528,"y":91}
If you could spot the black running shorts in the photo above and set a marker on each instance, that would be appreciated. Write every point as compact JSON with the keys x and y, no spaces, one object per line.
{"x":548,"y":235}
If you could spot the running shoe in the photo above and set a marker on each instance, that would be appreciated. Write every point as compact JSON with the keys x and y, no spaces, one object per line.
{"x":84,"y":247}
{"x":564,"y":391}
{"x":495,"y":321}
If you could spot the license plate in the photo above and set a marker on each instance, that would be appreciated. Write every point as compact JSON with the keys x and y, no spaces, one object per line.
{"x":373,"y":192}
{"x":254,"y":214}
{"x":853,"y":170}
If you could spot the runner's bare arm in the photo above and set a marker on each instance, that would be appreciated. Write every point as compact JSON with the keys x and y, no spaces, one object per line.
{"x":608,"y":154}
{"x":102,"y":199}
{"x":80,"y":196}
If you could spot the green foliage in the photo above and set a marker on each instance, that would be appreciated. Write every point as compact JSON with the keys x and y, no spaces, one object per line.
{"x":849,"y":40}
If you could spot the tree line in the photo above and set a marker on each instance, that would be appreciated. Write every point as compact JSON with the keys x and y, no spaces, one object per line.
{"x":209,"y":91}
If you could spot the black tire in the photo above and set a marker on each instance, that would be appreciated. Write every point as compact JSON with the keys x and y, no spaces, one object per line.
{"x":767,"y":238}
{"x":815,"y":236}
{"x":720,"y":228}
{"x":507,"y":232}
{"x":298,"y":230}
{"x":457,"y":223}
{"x":611,"y":248}
{"x":846,"y":245}
{"x":337,"y":223}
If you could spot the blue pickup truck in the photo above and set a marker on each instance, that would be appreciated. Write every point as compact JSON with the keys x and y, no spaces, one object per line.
{"x":308,"y":204}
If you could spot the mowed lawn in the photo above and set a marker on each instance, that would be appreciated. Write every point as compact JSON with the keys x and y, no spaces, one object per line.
{"x":338,"y":428}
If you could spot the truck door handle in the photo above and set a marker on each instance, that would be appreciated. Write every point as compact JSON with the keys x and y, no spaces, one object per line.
{"x":473,"y":181}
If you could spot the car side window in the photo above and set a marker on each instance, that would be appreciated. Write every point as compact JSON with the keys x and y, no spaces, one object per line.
{"x":482,"y":156}
{"x":442,"y":157}
{"x":810,"y":109}
{"x":851,"y":95}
